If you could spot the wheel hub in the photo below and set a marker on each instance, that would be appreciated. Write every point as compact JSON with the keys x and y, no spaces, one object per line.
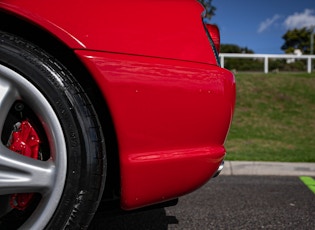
{"x":25,"y":141}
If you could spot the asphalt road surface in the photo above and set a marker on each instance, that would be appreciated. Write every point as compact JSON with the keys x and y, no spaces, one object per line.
{"x":228,"y":202}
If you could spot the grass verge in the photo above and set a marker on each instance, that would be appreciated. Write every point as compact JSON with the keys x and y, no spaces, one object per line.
{"x":274,"y":118}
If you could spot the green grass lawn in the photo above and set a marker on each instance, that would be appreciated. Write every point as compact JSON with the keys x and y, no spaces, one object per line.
{"x":274,"y":118}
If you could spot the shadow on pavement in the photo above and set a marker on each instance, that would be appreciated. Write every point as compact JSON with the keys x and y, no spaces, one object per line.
{"x":153,"y":219}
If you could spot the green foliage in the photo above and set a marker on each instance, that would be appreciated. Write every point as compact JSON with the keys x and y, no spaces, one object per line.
{"x":243,"y":64}
{"x":274,"y":118}
{"x":297,"y":39}
{"x":210,"y":9}
{"x":257,"y":64}
{"x":232,"y":48}
{"x":240,"y":64}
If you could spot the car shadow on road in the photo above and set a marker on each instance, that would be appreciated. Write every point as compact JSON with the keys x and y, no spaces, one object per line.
{"x":156,"y":219}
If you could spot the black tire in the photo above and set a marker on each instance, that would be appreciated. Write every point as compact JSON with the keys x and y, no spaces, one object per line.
{"x":66,"y":180}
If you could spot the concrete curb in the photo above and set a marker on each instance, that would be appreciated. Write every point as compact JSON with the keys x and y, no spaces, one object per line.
{"x":268,"y":168}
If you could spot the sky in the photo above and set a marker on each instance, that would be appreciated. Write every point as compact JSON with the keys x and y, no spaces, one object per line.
{"x":260,"y":25}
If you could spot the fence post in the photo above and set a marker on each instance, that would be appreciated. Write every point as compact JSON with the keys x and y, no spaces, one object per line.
{"x":222,"y":61}
{"x":266,"y":64}
{"x":309,"y":65}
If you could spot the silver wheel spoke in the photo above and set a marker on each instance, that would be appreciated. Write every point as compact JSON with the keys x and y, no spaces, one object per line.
{"x":8,"y":95}
{"x":20,"y":174}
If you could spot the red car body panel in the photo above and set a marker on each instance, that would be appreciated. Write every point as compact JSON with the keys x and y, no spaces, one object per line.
{"x":140,"y":27}
{"x":171,"y":103}
{"x":171,"y":119}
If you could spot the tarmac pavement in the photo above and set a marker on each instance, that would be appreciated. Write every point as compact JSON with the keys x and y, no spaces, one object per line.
{"x":260,"y":168}
{"x":252,"y":195}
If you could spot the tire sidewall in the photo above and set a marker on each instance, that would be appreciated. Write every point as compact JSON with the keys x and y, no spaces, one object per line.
{"x":56,"y":84}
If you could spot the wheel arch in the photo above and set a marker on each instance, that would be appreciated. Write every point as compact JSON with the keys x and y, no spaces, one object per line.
{"x":59,"y":50}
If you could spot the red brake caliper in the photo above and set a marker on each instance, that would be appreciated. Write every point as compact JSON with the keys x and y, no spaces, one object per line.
{"x":25,"y":141}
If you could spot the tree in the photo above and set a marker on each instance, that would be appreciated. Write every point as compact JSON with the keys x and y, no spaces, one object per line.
{"x":210,"y":10}
{"x":240,"y":64}
{"x":297,"y":39}
{"x":231,"y":48}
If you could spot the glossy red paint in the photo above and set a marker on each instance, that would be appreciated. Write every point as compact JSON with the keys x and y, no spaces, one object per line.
{"x":171,"y":103}
{"x":25,"y":140}
{"x":171,"y":118}
{"x":152,"y":28}
{"x":215,"y":35}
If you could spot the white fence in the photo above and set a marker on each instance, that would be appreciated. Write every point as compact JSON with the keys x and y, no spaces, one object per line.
{"x":266,"y":58}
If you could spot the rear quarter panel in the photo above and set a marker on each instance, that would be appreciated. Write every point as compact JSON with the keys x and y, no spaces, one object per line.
{"x":171,"y":103}
{"x":171,"y":118}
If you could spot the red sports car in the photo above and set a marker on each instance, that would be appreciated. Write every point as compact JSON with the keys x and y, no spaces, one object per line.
{"x":105,"y":101}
